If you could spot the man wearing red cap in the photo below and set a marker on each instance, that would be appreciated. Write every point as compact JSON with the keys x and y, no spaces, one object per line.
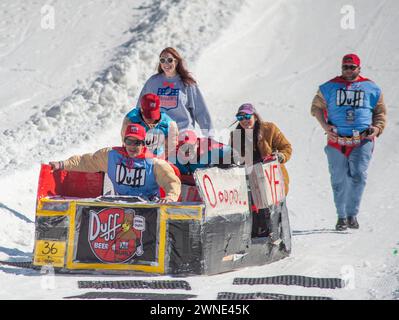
{"x":130,"y":169}
{"x":352,"y":112}
{"x":161,"y":130}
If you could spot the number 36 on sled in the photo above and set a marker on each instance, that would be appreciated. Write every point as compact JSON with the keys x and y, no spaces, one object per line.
{"x":208,"y":232}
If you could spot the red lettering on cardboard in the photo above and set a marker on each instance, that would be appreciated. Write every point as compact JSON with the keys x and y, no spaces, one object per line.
{"x":226,"y":196}
{"x":270,"y":181}
{"x":206,"y":177}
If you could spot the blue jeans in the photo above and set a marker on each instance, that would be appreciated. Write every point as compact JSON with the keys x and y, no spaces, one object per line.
{"x":348,"y":177}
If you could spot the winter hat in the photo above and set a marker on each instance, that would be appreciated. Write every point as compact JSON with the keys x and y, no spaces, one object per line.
{"x":351,"y":59}
{"x":246,"y":108}
{"x":150,"y":106}
{"x":136,"y":131}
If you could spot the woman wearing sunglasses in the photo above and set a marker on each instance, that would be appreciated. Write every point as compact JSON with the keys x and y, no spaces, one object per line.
{"x":259,"y":141}
{"x":180,"y":96}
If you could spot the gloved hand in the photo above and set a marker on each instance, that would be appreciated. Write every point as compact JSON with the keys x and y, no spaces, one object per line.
{"x":269,"y":158}
{"x":280,"y":157}
{"x":331,"y":132}
{"x":372,"y":132}
{"x":56,"y":165}
{"x":275,"y":156}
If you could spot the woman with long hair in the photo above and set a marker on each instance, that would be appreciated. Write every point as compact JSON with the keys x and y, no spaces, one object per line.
{"x":179,"y":94}
{"x":259,"y":141}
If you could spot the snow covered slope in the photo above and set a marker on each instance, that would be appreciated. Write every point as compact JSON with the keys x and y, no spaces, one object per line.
{"x":271,"y":53}
{"x":41,"y":65}
{"x":100,"y":103}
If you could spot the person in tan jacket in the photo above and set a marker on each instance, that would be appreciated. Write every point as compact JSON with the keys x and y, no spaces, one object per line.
{"x":266,"y":140}
{"x":260,"y":141}
{"x":131,"y":169}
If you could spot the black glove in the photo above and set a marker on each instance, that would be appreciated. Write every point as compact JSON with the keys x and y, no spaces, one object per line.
{"x":280,"y":157}
{"x":369,"y":131}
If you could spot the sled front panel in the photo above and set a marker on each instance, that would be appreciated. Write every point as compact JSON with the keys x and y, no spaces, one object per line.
{"x":86,"y":234}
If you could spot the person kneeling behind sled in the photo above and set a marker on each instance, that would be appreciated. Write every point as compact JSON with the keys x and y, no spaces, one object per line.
{"x":261,"y":141}
{"x":131,"y":169}
{"x":194,"y":152}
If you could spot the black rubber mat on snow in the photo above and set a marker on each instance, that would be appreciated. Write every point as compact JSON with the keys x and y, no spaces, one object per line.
{"x":132,"y":296}
{"x":135,"y":284}
{"x":18,"y":264}
{"x":265,"y":296}
{"x":308,"y":282}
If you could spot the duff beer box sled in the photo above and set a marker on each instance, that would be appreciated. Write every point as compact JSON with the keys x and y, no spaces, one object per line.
{"x":78,"y":229}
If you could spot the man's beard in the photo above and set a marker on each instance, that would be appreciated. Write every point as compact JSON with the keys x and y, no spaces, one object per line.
{"x":351,"y":77}
{"x":133,"y":153}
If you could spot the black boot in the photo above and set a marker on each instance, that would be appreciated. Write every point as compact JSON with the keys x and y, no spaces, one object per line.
{"x":352,"y":223}
{"x":260,"y":223}
{"x":342,"y":224}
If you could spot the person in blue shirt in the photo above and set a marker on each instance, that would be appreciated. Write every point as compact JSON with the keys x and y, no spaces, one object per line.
{"x":352,"y":112}
{"x":161,"y":130}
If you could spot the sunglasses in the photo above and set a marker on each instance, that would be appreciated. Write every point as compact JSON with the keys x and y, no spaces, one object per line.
{"x":351,"y":67}
{"x":241,"y":117}
{"x":130,"y":142}
{"x":166,"y":60}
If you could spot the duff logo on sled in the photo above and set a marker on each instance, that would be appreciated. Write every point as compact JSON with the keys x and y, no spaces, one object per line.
{"x":115,"y":234}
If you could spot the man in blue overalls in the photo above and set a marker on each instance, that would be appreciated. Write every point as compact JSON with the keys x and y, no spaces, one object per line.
{"x":132,"y":170}
{"x":352,"y":112}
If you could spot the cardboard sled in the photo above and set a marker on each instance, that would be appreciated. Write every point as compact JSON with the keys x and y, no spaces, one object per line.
{"x":77,"y":229}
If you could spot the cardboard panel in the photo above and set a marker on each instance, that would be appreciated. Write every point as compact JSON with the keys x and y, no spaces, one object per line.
{"x":224,"y":191}
{"x":69,"y":183}
{"x":267,"y":184}
{"x":189,"y":194}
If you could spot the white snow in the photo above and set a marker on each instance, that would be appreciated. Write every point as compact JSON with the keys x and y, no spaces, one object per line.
{"x":65,"y":91}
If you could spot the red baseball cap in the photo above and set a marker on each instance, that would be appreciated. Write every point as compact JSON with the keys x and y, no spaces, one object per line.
{"x":351,"y":59}
{"x":150,"y":106}
{"x":135,"y":130}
